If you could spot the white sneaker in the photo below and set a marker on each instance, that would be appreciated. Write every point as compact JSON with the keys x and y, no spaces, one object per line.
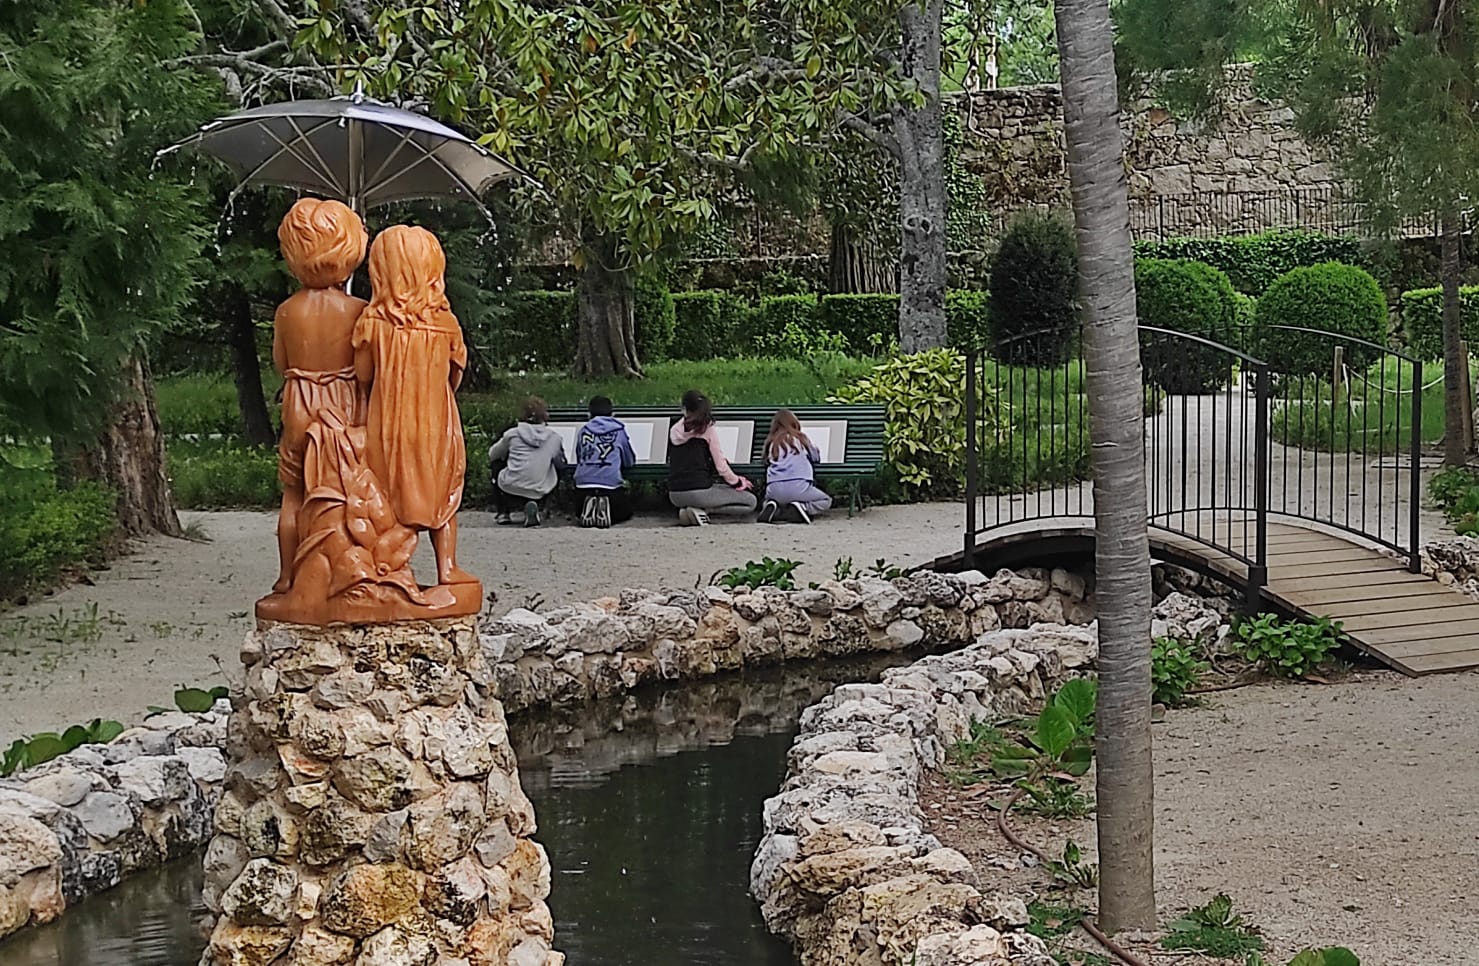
{"x":800,"y":513}
{"x":603,"y":512}
{"x":531,"y":513}
{"x":693,"y":517}
{"x":769,"y":511}
{"x":588,"y":513}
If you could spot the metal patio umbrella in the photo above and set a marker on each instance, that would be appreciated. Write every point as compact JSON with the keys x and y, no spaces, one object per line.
{"x":356,"y":149}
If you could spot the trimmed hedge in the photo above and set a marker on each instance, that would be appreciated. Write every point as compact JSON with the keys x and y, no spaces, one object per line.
{"x":769,"y":320}
{"x":537,"y":331}
{"x":1185,"y":296}
{"x":858,"y":318}
{"x":1422,"y":319}
{"x":1254,"y":262}
{"x":1034,"y":292}
{"x":968,"y":318}
{"x":655,"y":318}
{"x":707,"y":324}
{"x":1332,"y":297}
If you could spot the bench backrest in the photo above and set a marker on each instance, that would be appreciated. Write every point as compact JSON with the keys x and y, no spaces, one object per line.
{"x":849,"y":437}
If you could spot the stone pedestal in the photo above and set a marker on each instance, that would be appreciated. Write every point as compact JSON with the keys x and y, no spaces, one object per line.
{"x":372,"y":813}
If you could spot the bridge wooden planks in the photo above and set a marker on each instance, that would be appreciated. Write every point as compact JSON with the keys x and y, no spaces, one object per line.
{"x":1407,"y":621}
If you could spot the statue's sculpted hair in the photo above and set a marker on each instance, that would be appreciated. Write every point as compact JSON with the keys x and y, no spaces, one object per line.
{"x":408,"y":276}
{"x":323,"y":242}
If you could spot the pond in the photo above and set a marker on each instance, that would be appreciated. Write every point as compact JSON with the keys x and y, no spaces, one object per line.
{"x":649,"y":806}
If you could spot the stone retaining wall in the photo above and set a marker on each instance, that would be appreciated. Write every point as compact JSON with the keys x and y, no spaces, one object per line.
{"x":78,"y":824}
{"x":845,"y":869}
{"x":1454,"y":562}
{"x":616,"y":644}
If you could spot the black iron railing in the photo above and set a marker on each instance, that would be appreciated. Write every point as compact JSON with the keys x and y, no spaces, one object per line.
{"x":1239,"y":428}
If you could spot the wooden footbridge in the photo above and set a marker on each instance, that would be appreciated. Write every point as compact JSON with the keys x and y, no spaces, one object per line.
{"x":1320,"y":520}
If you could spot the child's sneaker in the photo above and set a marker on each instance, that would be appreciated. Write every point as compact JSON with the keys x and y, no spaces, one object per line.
{"x":531,"y":513}
{"x":693,"y":517}
{"x":799,"y":514}
{"x":769,"y":511}
{"x":588,"y":515}
{"x":603,"y":512}
{"x":503,"y":519}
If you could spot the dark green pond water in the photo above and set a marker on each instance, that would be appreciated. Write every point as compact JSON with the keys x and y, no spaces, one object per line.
{"x":649,"y":808}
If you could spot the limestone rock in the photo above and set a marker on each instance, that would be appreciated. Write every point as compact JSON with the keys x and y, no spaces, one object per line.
{"x":262,"y":895}
{"x":367,"y":898}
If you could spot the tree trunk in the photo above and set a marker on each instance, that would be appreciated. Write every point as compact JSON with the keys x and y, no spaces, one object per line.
{"x":128,"y":457}
{"x":855,"y":266}
{"x":606,"y":329}
{"x":246,"y":368}
{"x":919,"y":132}
{"x":1126,"y":778}
{"x":1456,"y":409}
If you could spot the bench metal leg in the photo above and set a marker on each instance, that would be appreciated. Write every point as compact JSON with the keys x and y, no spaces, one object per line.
{"x":855,"y":498}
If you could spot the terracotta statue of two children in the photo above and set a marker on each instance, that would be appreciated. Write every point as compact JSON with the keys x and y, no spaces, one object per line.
{"x":371,"y":450}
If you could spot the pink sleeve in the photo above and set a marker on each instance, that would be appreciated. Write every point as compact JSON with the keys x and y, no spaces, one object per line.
{"x":721,"y":465}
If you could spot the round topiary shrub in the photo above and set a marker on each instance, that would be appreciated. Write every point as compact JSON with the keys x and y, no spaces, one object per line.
{"x":1332,"y":297}
{"x":1033,"y":309}
{"x":1190,"y":297}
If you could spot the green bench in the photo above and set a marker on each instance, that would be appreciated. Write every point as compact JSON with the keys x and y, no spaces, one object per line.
{"x":850,"y":438}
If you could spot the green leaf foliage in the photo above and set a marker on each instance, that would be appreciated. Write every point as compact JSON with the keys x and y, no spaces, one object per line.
{"x":968,"y":318}
{"x":1422,"y":319}
{"x":655,"y":317}
{"x":1034,"y":292}
{"x":925,"y":429}
{"x":1332,"y":297}
{"x":1289,"y":649}
{"x":1330,"y":956}
{"x":47,"y":531}
{"x":98,"y":254}
{"x":194,"y":700}
{"x":767,"y":572}
{"x":632,"y":115}
{"x":863,"y":320}
{"x":1189,"y":297}
{"x":38,"y":749}
{"x":1254,"y":262}
{"x":1174,"y":669}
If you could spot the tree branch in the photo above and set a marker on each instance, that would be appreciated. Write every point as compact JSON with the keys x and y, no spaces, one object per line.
{"x":871,"y":132}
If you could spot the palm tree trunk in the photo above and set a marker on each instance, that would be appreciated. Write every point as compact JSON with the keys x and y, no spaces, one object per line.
{"x":1456,"y":409}
{"x":1126,"y":777}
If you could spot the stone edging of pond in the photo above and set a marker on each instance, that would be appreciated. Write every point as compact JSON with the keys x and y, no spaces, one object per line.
{"x":77,"y":825}
{"x":1453,"y":562}
{"x":616,"y":644}
{"x":845,"y":869}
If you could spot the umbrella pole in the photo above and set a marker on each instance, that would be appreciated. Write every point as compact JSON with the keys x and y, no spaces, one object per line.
{"x":356,"y":175}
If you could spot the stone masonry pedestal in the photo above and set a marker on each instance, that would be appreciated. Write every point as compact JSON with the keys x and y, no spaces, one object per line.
{"x":372,"y":813}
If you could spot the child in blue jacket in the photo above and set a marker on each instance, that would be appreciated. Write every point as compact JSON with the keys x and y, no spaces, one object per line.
{"x":603,"y":453}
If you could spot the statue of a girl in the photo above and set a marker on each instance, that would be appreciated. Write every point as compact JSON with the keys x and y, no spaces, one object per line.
{"x":410,"y":353}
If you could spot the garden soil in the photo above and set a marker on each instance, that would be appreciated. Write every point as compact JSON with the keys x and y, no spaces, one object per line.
{"x":1344,"y":814}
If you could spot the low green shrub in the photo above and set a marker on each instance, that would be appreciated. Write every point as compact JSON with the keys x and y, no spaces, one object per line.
{"x":1288,"y":649}
{"x":968,"y":318}
{"x":925,"y":429}
{"x":1033,"y":309}
{"x":1455,"y":491}
{"x":863,"y":320}
{"x":801,"y":313}
{"x":1332,"y":297}
{"x":1254,"y":262}
{"x":1189,"y":297}
{"x":205,"y":405}
{"x":1175,"y":669}
{"x":707,"y":324}
{"x":655,"y":319}
{"x":1422,"y":319}
{"x":47,"y":531}
{"x":1214,"y":929}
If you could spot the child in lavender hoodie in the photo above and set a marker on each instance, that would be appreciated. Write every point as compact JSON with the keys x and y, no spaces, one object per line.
{"x":791,"y":492}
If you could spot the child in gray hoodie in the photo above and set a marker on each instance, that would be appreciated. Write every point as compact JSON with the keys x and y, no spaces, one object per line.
{"x":534,"y":455}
